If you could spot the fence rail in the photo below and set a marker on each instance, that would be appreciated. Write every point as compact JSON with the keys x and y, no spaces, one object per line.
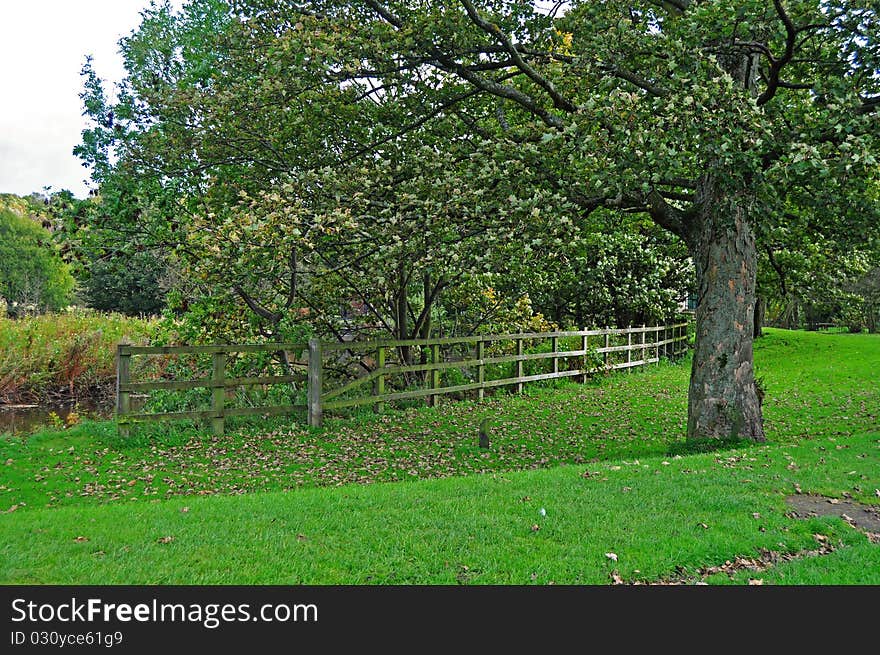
{"x":218,"y":383}
{"x":649,"y":346}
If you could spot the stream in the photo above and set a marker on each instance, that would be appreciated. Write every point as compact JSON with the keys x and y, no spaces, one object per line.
{"x":26,"y":419}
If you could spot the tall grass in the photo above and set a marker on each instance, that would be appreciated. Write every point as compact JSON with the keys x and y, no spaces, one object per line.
{"x":67,"y":355}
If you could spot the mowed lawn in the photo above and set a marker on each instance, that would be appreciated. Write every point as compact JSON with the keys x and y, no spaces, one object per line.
{"x":81,"y":507}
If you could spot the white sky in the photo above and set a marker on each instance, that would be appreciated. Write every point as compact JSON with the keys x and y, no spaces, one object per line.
{"x":43,"y":45}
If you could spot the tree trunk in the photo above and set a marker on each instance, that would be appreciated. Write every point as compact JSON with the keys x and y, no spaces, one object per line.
{"x":401,"y":322}
{"x":723,"y":400}
{"x":760,"y":307}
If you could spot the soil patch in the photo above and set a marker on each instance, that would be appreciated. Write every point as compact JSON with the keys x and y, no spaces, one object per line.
{"x":864,"y":517}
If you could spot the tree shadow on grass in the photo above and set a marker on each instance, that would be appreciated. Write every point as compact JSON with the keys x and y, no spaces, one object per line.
{"x":697,"y":446}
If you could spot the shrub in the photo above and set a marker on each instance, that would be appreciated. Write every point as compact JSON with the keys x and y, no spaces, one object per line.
{"x":70,"y":353}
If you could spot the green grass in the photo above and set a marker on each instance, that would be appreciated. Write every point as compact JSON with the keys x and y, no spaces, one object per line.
{"x":475,"y":526}
{"x":475,"y":529}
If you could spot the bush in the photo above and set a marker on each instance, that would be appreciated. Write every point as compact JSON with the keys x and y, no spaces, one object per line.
{"x":67,"y":354}
{"x":125,"y":284}
{"x":33,"y":278}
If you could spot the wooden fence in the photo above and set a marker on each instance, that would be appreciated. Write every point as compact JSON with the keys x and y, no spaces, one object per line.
{"x":612,"y":349}
{"x":217,"y":382}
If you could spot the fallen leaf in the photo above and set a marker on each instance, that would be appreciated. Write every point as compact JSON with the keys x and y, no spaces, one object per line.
{"x":165,"y":540}
{"x":184,"y":509}
{"x":755,"y":582}
{"x":611,"y":556}
{"x":703,"y":525}
{"x":11,"y":509}
{"x":301,"y":537}
{"x":756,"y":515}
{"x":536,"y":527}
{"x":79,"y":540}
{"x":615,"y":578}
{"x":797,"y":488}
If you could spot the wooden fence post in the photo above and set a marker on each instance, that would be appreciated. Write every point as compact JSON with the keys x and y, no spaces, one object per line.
{"x":657,"y":344}
{"x":554,"y":343}
{"x":481,"y":369}
{"x":123,"y":398}
{"x":379,"y":386}
{"x":629,"y":343}
{"x":585,"y":342}
{"x":607,"y":345}
{"x":644,"y":350}
{"x":315,"y":381}
{"x":519,"y":365}
{"x":434,"y":399}
{"x":218,"y":394}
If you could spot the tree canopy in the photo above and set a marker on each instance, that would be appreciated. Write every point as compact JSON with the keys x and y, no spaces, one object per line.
{"x":731,"y":125}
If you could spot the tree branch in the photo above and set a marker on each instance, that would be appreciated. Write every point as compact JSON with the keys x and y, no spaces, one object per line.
{"x":490,"y":28}
{"x":256,"y":307}
{"x":776,"y":66}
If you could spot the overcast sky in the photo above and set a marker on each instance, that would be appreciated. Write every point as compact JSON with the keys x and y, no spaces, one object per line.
{"x":43,"y":44}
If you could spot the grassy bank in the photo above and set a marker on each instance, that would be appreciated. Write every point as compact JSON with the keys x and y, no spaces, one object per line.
{"x":663,"y":519}
{"x":663,"y":515}
{"x":62,"y":355}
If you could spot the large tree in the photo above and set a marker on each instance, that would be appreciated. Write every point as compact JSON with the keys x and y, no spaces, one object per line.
{"x":705,"y":115}
{"x":712,"y":118}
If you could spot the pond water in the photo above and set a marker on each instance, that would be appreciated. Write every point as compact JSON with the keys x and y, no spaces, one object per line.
{"x":25,"y":419}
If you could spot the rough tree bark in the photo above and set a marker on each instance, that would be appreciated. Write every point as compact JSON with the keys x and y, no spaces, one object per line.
{"x":723,"y":398}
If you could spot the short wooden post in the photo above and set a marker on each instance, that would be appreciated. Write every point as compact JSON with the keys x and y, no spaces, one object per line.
{"x":585,"y":343}
{"x":123,"y":398}
{"x":315,"y":381}
{"x":485,"y":429}
{"x":379,"y":385}
{"x":665,"y":348}
{"x":519,"y":365}
{"x":554,"y":343}
{"x":434,"y":399}
{"x":481,"y":369}
{"x":218,"y":394}
{"x":607,"y":345}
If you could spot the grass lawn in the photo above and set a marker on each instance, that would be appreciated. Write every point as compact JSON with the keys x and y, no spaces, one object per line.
{"x":184,"y":508}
